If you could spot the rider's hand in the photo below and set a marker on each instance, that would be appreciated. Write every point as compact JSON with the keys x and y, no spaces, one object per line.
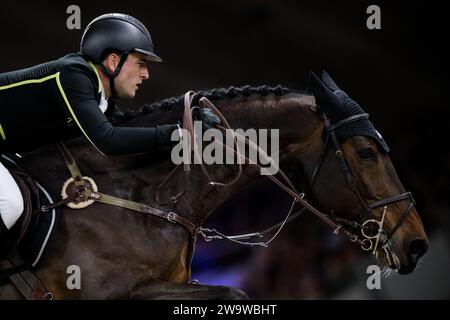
{"x":207,"y":117}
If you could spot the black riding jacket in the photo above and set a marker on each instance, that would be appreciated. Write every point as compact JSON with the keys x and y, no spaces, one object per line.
{"x":60,"y":100}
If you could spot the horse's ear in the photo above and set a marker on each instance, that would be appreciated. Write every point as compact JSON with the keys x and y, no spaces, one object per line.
{"x":325,"y":97}
{"x":329,"y":82}
{"x":313,"y":79}
{"x":317,"y":86}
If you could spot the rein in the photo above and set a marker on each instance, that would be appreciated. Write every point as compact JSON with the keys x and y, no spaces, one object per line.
{"x":84,"y":191}
{"x":290,"y":189}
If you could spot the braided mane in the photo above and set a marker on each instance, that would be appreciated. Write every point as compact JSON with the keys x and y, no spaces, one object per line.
{"x":213,"y":95}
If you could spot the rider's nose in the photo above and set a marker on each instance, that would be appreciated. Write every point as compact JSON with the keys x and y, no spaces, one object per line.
{"x":145,"y":74}
{"x":417,"y":249}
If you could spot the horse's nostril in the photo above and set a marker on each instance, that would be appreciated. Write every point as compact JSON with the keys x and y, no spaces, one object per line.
{"x":417,"y":248}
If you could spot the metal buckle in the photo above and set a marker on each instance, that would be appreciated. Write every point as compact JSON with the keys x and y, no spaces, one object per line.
{"x":170,"y":217}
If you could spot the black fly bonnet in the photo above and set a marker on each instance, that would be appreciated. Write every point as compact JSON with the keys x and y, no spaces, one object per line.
{"x":337,"y":105}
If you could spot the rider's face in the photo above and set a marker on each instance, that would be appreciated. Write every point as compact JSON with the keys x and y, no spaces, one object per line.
{"x":130,"y":78}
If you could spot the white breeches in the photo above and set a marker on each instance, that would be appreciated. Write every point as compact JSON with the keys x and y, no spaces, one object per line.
{"x":11,"y":201}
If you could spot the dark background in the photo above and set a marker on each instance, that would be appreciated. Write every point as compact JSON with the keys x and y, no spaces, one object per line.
{"x":398,"y":74}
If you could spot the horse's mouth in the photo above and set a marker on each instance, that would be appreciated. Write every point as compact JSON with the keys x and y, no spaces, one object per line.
{"x":387,"y":257}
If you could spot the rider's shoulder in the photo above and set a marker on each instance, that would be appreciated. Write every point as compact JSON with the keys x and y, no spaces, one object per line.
{"x":76,"y":65}
{"x":75,"y":62}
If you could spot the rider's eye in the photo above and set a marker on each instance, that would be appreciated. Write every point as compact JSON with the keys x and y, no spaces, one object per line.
{"x":367,"y":154}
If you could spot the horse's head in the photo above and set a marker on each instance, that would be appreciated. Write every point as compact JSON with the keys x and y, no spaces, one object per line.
{"x":355,"y":181}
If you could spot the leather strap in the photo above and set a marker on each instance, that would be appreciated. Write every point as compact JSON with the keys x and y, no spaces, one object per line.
{"x":386,"y":201}
{"x":29,"y":286}
{"x":143,"y":208}
{"x":108,"y":199}
{"x":348,"y":120}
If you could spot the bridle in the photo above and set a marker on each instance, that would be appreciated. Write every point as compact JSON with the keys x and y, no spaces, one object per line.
{"x":370,"y":223}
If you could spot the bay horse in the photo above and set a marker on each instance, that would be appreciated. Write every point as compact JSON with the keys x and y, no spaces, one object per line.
{"x":127,"y":255}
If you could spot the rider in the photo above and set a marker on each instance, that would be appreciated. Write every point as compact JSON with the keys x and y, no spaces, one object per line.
{"x":68,"y":97}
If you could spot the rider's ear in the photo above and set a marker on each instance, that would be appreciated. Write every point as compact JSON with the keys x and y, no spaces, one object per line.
{"x":112,"y":60}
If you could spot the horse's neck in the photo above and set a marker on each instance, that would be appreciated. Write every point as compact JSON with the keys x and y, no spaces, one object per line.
{"x":295,"y":118}
{"x":290,"y":113}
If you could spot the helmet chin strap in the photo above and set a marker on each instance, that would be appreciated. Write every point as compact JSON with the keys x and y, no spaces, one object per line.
{"x":112,"y":75}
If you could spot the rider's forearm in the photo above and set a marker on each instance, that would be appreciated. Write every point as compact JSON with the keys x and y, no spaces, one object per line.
{"x":124,"y":140}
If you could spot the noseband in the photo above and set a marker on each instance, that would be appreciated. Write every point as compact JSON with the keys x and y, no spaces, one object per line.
{"x":370,"y":222}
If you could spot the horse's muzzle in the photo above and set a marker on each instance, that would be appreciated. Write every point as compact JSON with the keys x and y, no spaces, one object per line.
{"x":417,"y":248}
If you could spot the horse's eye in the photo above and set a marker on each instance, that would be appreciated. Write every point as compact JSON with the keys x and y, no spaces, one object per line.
{"x":367,"y":154}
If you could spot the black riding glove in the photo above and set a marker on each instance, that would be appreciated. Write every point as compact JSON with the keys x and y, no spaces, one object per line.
{"x":207,"y":117}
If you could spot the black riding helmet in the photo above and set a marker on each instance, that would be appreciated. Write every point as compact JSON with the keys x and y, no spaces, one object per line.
{"x":116,"y":32}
